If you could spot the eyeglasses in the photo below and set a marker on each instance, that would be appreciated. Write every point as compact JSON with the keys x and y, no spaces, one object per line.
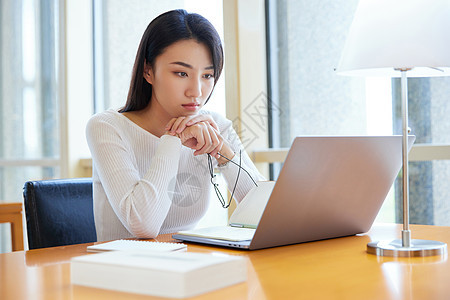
{"x":216,"y":185}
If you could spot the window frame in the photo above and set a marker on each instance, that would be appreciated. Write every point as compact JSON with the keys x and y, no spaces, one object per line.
{"x":245,"y":30}
{"x":61,"y":161}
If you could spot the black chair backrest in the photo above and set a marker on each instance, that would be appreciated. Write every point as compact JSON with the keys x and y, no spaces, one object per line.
{"x":59,"y":212}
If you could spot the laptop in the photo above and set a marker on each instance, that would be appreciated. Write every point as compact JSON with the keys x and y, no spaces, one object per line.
{"x":328,"y":187}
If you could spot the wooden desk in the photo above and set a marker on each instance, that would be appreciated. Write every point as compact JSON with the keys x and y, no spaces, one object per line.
{"x":331,"y":269}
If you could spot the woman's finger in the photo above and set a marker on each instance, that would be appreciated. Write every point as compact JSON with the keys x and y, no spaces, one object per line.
{"x":182,"y":125}
{"x":213,"y":140}
{"x":193,"y":137}
{"x":216,"y":150}
{"x":202,"y":118}
{"x":170,"y":124}
{"x":176,"y":124}
{"x":205,"y":142}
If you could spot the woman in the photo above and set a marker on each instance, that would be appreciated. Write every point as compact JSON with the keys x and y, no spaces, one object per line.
{"x":150,"y":158}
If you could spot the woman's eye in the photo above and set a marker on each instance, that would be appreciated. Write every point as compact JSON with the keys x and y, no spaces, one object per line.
{"x":208,"y":76}
{"x":181,"y":74}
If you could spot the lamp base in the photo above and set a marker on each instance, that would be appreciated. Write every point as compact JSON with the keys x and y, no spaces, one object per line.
{"x":419,"y":248}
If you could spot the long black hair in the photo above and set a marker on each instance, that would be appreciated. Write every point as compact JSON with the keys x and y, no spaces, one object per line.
{"x":165,"y":30}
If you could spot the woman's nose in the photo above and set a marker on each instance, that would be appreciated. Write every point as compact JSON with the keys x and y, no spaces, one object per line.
{"x":195,"y":88}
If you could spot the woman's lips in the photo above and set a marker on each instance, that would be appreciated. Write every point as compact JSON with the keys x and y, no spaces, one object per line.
{"x":191,"y":106}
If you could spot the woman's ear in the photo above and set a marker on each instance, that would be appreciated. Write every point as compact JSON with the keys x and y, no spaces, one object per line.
{"x":148,"y":73}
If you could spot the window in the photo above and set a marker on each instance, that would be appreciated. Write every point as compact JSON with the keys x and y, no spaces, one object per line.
{"x":305,"y":42}
{"x":30,"y":124}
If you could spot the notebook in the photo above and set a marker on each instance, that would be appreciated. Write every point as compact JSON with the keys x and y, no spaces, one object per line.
{"x":328,"y":187}
{"x":134,"y":245}
{"x":173,"y":274}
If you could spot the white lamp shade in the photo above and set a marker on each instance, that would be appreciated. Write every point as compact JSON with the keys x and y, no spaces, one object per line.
{"x":390,"y":34}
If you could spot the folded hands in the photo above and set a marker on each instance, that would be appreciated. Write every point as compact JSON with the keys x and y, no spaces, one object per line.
{"x":201,"y":133}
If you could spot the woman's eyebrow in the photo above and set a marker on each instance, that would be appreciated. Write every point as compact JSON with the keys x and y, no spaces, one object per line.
{"x":188,"y":65}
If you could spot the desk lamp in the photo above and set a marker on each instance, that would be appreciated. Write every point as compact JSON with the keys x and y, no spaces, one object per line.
{"x":400,"y":38}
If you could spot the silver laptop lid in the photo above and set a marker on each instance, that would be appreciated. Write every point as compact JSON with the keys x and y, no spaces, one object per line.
{"x":329,"y":187}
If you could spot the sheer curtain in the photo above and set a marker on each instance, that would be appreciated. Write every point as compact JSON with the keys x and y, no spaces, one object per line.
{"x":29,"y":97}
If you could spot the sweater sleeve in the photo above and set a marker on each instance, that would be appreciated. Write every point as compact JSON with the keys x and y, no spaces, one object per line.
{"x":140,"y":202}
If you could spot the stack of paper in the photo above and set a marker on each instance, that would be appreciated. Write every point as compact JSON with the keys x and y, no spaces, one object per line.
{"x":173,"y":274}
{"x":133,"y":245}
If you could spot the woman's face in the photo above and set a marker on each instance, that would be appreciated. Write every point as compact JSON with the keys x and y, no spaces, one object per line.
{"x":182,"y":79}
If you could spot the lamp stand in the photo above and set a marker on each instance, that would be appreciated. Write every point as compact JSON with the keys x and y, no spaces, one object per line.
{"x":406,"y":247}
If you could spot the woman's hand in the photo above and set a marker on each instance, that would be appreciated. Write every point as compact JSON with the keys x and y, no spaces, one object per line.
{"x":200,"y":132}
{"x":177,"y":125}
{"x":203,"y":138}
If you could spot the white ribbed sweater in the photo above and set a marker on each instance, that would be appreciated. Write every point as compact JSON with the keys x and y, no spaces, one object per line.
{"x":144,"y":185}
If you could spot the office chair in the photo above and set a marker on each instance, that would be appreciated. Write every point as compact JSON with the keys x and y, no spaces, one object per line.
{"x":59,"y":212}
